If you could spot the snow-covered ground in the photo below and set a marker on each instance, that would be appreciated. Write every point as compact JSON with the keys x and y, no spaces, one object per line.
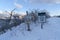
{"x":50,"y":31}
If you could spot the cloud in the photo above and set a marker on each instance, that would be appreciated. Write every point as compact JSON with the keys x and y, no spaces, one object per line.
{"x":18,"y":5}
{"x":45,"y":1}
{"x":22,"y":13}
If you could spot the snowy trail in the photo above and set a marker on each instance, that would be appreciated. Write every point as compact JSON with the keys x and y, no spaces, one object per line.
{"x":51,"y":31}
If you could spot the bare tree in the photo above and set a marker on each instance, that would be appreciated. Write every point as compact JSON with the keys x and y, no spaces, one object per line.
{"x":27,"y":21}
{"x":34,"y":16}
{"x":6,"y":22}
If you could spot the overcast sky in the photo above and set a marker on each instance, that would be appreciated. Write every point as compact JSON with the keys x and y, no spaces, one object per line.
{"x":52,"y":6}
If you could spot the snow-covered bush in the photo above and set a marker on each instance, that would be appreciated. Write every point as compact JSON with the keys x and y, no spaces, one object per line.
{"x":34,"y":17}
{"x":4,"y":25}
{"x":16,"y":20}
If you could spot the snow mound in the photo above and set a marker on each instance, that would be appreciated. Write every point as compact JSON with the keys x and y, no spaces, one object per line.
{"x":50,"y":31}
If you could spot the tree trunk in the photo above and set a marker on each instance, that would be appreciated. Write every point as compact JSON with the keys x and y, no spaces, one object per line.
{"x":28,"y":25}
{"x":41,"y":25}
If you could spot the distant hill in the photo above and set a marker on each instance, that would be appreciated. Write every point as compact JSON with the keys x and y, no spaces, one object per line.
{"x":2,"y":16}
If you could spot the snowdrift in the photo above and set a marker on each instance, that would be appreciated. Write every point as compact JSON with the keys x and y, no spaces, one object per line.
{"x":50,"y":31}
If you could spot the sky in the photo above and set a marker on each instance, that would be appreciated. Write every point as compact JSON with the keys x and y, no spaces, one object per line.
{"x":52,"y":6}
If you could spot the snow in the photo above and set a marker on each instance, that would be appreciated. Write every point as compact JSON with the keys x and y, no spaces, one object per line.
{"x":50,"y":31}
